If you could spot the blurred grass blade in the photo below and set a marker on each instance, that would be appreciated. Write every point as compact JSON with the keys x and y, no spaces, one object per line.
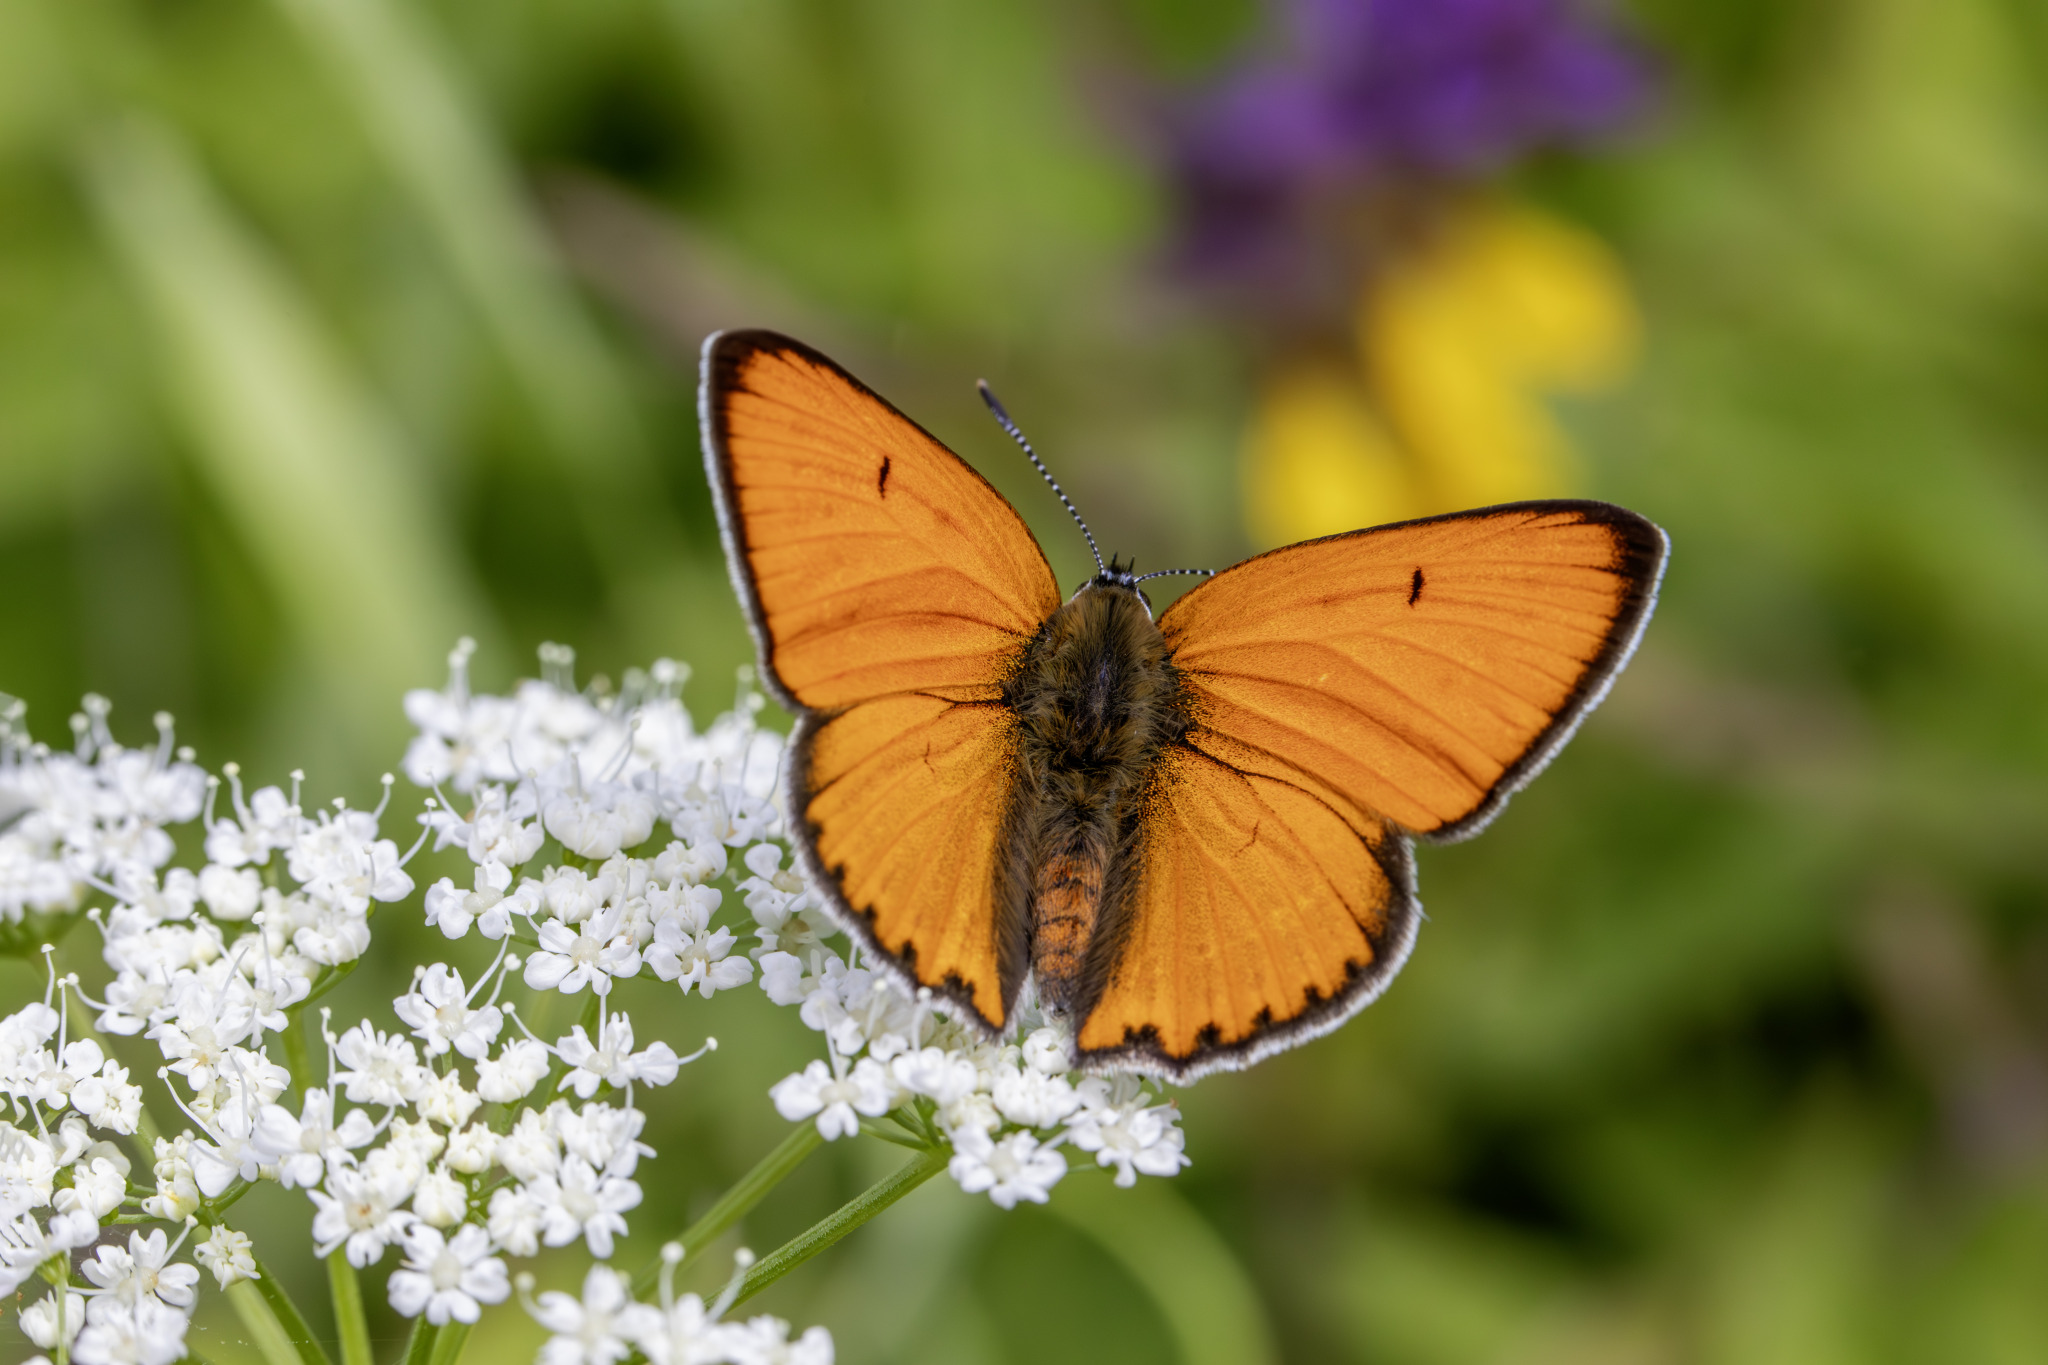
{"x":410,"y":102}
{"x":306,"y":467}
{"x":1191,"y":1274}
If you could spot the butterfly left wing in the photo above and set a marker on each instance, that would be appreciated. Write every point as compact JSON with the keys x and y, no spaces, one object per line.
{"x":891,"y":591}
{"x":1346,"y":693}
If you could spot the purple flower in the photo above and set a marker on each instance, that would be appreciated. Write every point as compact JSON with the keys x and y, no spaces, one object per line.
{"x":1366,"y":97}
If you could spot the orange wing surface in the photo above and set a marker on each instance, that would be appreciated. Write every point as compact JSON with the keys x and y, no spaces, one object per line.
{"x":872,"y":559}
{"x":1262,"y":915}
{"x":891,"y":591}
{"x":1345,"y":693}
{"x":1419,"y":672}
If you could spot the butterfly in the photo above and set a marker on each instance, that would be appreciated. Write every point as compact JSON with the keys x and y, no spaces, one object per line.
{"x":1191,"y":833}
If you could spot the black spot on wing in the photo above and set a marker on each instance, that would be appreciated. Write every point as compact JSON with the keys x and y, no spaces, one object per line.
{"x":1414,"y":585}
{"x":882,"y":479}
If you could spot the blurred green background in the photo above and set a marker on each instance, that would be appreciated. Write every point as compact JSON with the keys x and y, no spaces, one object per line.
{"x":333,"y":329}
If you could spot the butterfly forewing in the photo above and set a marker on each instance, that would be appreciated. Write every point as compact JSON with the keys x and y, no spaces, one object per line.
{"x":1421,"y":671}
{"x":874,"y":559}
{"x":891,"y":590}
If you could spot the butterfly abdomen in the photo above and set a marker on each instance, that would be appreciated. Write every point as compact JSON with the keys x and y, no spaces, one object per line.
{"x":1096,"y":698}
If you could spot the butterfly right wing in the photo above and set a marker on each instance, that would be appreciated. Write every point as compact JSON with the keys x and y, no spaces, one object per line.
{"x":891,"y":592}
{"x":1344,"y":694}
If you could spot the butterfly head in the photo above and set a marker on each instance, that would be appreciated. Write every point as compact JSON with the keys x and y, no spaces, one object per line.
{"x":1116,"y":574}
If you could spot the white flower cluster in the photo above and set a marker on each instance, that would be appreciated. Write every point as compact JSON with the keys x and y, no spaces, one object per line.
{"x":1006,"y":1108}
{"x":603,"y":834}
{"x":605,"y":1324}
{"x":646,"y":810}
{"x":93,"y":817}
{"x":457,"y":1138}
{"x":601,"y":779}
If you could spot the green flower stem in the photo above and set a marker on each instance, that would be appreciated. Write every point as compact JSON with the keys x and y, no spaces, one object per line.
{"x":295,"y":1048}
{"x":334,"y":977}
{"x":261,"y":1323}
{"x":448,"y":1345}
{"x":419,"y":1348}
{"x":288,"y":1317}
{"x":347,"y":1293}
{"x":56,"y":1272}
{"x":737,"y":1202}
{"x":851,"y":1215}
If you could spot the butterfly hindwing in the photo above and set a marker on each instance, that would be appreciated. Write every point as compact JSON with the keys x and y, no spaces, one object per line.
{"x":1260,"y":912}
{"x":891,"y":591}
{"x":1346,"y":693}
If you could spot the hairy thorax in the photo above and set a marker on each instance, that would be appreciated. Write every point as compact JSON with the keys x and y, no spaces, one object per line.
{"x":1097,"y":698}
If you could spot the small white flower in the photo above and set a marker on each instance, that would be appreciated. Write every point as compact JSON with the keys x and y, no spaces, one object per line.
{"x":684,"y":1334}
{"x":28,"y":1171}
{"x":447,"y":1278}
{"x":302,"y":1148}
{"x":268,"y":822}
{"x":142,"y":1270}
{"x":228,"y":1254}
{"x":1031,"y":1097}
{"x":440,"y":1199}
{"x":379,"y":1068}
{"x":602,"y":1134}
{"x":472,"y":1150}
{"x":572,"y":895}
{"x":858,"y":1009}
{"x":359,"y":1210}
{"x":765,"y":1341}
{"x":782,"y":978}
{"x":107,"y":1100}
{"x":39,"y":1320}
{"x":25,"y":1244}
{"x":601,"y":819}
{"x":230,"y":893}
{"x":690,"y":864}
{"x":152,"y":1334}
{"x":1115,"y":1124}
{"x":532,"y":1149}
{"x":943,"y":1077}
{"x":1046,"y":1051}
{"x":597,"y":1329}
{"x":446,"y":1101}
{"x":687,"y":950}
{"x":438,"y":1013}
{"x":1010,"y":1168}
{"x":486,"y":905}
{"x":837,"y":1101}
{"x":582,"y":1202}
{"x":177,"y":1193}
{"x":614,"y":1062}
{"x":568,"y":960}
{"x":515,"y":1220}
{"x":511,"y":1075}
{"x":98,"y":1186}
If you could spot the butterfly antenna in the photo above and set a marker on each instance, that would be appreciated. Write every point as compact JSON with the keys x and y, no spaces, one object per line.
{"x":1003,"y":420}
{"x":1169,"y":573}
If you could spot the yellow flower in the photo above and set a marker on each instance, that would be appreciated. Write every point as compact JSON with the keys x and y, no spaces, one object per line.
{"x":1318,"y":459}
{"x":1457,"y":347}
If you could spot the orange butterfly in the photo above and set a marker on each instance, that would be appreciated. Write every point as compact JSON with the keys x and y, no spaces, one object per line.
{"x":1193,"y":834}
